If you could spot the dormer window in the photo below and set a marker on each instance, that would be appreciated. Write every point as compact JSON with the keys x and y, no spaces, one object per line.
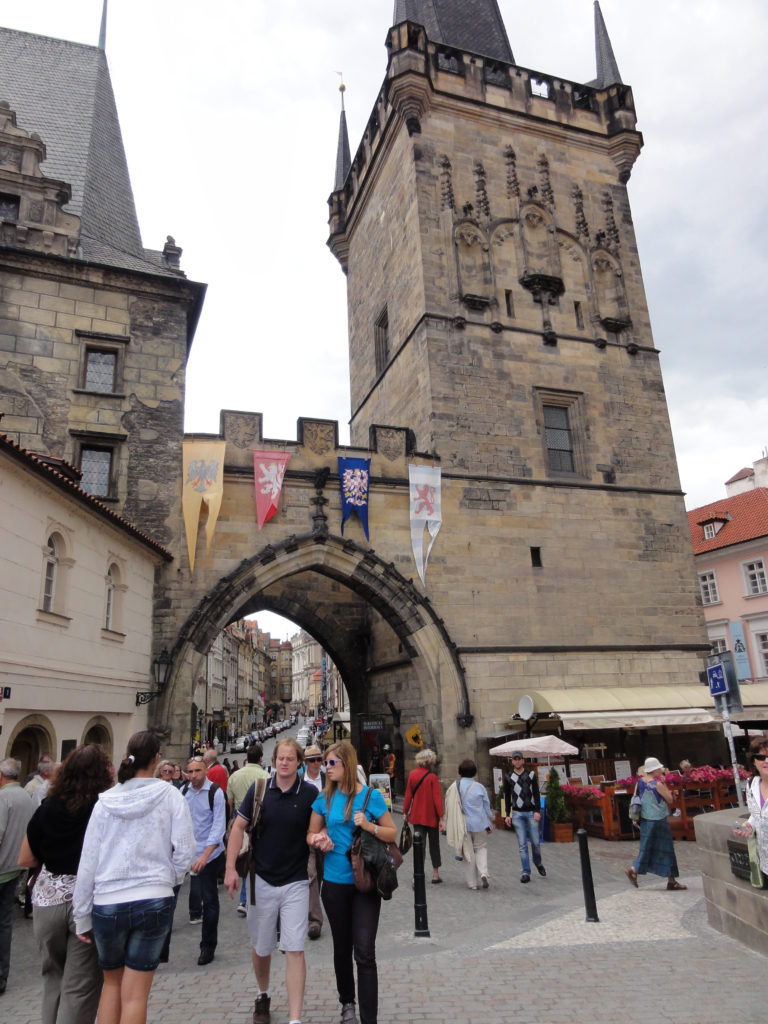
{"x":709,"y":531}
{"x":713,"y":526}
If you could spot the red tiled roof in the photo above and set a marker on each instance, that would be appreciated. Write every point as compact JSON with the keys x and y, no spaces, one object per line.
{"x":44,"y":466}
{"x":747,"y":516}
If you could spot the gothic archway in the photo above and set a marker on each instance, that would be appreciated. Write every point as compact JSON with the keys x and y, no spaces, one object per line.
{"x":386,"y":640}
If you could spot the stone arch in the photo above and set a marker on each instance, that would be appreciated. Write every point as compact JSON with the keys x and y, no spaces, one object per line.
{"x":577,"y":285}
{"x":98,"y":730}
{"x":343,"y":595}
{"x":33,"y":736}
{"x":540,"y":248}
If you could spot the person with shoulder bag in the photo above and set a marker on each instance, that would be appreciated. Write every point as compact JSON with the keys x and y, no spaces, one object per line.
{"x":755,"y":828}
{"x":353,"y":915}
{"x":657,"y":848}
{"x":468,"y":822}
{"x":423,"y":807}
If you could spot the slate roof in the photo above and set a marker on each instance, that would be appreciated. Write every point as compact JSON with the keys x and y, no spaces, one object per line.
{"x":747,"y":516}
{"x":63,"y":92}
{"x":607,"y":68}
{"x":65,"y":479}
{"x":473,"y":25}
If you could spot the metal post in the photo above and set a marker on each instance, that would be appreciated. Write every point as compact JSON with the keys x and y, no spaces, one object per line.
{"x":421,"y":929}
{"x":728,"y":730}
{"x":586,"y":877}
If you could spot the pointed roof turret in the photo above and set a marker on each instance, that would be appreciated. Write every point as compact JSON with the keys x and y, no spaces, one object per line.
{"x":343,"y":158}
{"x":103,"y":29}
{"x":607,"y":68}
{"x":473,"y":25}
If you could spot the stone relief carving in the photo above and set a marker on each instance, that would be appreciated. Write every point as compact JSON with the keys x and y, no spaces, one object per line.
{"x":582,"y":228}
{"x":539,"y":245}
{"x":447,"y":198}
{"x":609,"y":291}
{"x":390,"y":442}
{"x":481,"y":190}
{"x":319,"y":437}
{"x":10,"y":156}
{"x":547,"y":195}
{"x":242,"y":429}
{"x":513,"y":182}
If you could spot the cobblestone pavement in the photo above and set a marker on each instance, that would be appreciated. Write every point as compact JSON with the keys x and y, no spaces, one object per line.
{"x":514,"y":953}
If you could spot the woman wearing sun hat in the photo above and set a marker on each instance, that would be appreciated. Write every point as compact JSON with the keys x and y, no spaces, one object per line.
{"x":657,"y":848}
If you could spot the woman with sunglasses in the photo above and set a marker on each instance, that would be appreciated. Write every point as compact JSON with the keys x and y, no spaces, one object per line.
{"x":657,"y":848}
{"x":352,"y":915}
{"x":757,"y":800}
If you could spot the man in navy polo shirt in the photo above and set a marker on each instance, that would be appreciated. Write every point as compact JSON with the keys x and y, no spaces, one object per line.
{"x":280,"y":855}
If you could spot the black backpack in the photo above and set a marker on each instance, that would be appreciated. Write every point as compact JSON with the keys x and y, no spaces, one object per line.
{"x":211,"y":797}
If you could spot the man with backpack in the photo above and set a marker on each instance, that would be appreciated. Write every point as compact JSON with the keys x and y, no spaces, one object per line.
{"x":207,"y":805}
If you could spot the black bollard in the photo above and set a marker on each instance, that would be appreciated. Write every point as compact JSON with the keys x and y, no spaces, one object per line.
{"x":421,"y":930}
{"x":586,"y":877}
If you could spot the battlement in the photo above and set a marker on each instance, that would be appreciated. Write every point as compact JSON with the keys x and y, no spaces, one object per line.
{"x":422,"y":75}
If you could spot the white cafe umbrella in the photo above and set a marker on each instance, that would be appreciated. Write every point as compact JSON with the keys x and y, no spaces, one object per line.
{"x":537,"y":746}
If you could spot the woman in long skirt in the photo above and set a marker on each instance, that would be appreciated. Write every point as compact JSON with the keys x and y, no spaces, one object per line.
{"x":657,"y":848}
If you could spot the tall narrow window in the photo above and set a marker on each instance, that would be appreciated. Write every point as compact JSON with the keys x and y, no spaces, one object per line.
{"x":762,"y":644}
{"x":110,"y":602}
{"x":755,"y":579}
{"x":536,"y":558}
{"x":381,"y":340}
{"x":100,"y":367}
{"x":509,"y":303}
{"x":709,"y":531}
{"x":579,"y":315}
{"x":708,"y":587}
{"x":559,"y":438}
{"x":51,"y":568}
{"x":96,"y":467}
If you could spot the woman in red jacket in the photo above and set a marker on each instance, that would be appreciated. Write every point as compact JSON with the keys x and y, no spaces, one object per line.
{"x":423,"y":806}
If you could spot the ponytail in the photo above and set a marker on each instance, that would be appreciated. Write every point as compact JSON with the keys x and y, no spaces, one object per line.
{"x":142,"y":748}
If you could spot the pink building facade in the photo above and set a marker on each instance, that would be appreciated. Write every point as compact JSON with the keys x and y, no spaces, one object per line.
{"x":730,"y":543}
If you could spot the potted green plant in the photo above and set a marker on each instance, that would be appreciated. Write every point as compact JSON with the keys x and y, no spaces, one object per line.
{"x":560,"y":827}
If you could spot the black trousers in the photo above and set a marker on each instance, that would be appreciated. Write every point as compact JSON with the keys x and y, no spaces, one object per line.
{"x":432,"y":834}
{"x":354,"y":920}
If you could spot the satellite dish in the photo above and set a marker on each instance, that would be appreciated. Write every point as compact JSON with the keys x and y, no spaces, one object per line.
{"x":525,"y":708}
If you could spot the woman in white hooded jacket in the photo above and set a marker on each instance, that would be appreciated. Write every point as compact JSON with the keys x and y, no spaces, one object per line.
{"x":138,"y":846}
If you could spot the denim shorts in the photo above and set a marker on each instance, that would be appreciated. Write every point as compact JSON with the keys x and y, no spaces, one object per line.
{"x":132,"y":934}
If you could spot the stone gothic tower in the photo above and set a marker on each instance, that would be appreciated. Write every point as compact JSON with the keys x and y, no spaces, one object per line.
{"x":496,"y":302}
{"x":496,"y":308}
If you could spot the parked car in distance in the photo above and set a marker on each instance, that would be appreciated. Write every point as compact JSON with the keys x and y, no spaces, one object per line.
{"x":240,"y":745}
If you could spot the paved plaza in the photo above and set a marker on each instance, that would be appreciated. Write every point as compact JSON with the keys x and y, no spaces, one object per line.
{"x":514,"y":953}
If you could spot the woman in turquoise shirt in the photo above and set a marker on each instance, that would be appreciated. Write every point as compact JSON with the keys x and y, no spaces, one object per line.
{"x":352,"y":915}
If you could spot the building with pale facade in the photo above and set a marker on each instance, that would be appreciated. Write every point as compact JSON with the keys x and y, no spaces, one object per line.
{"x":730,"y":543}
{"x":76,"y":593}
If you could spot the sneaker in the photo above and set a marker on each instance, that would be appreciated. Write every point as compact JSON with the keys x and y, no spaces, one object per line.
{"x":484,"y":881}
{"x":348,"y":1015}
{"x":241,"y":910}
{"x":261,"y":1009}
{"x":542,"y":870}
{"x":195,"y":920}
{"x":525,"y":878}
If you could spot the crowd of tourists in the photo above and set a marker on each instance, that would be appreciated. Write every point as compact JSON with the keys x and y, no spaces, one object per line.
{"x":107,"y":851}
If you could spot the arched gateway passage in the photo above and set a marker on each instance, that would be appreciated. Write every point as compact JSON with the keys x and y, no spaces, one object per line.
{"x":381,"y":630}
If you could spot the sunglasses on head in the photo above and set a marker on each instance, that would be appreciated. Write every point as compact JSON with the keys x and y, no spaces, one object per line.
{"x":312,"y":760}
{"x":760,"y":757}
{"x":331,"y":762}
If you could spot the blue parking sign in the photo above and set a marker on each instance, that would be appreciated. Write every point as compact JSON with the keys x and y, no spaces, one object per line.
{"x":717,"y":681}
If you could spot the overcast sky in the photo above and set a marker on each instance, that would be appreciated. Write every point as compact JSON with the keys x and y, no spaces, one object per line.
{"x":229,"y":112}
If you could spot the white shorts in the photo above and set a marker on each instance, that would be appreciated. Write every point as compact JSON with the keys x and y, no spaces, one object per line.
{"x":288,"y":902}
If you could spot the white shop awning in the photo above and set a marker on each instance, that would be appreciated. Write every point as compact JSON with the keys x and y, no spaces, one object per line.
{"x":627,"y":707}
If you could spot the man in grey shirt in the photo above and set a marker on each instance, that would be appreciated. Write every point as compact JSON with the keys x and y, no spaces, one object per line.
{"x":16,"y":809}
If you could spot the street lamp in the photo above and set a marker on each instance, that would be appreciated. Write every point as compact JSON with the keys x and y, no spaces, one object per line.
{"x":162,"y":669}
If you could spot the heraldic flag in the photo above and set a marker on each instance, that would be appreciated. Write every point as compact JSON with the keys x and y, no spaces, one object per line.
{"x":353,"y":476}
{"x":268,"y":472}
{"x":426,"y":511}
{"x":203,"y":482}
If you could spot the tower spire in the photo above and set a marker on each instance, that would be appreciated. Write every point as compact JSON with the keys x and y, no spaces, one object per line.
{"x":103,"y":29}
{"x":343,"y":158}
{"x":473,"y":25}
{"x":607,"y":68}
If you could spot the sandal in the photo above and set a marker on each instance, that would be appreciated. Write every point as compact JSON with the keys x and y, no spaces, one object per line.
{"x":632,"y":875}
{"x":674,"y":884}
{"x":437,"y":881}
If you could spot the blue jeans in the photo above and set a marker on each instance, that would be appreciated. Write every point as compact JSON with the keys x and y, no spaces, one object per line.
{"x":204,"y":899}
{"x":527,"y":830}
{"x":131,"y":934}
